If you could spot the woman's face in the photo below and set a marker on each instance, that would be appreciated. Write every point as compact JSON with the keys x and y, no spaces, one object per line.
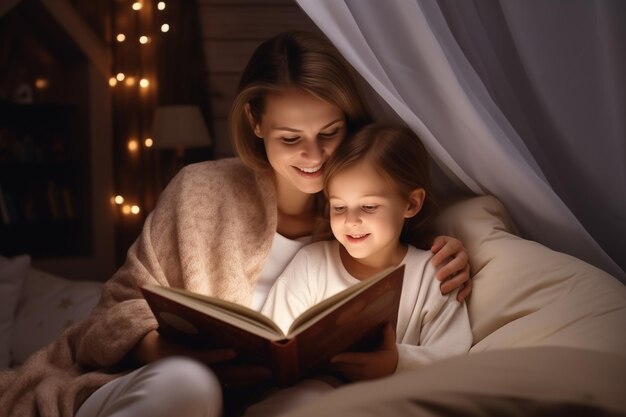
{"x":300,"y":132}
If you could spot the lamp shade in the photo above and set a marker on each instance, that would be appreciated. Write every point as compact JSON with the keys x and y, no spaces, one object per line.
{"x":179,"y":127}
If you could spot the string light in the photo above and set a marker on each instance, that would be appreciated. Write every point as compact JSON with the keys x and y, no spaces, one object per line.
{"x":133,"y":145}
{"x":165,"y":27}
{"x":41,"y":83}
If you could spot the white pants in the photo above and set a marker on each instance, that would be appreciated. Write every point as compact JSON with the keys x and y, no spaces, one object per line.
{"x":180,"y":386}
{"x":171,"y":387}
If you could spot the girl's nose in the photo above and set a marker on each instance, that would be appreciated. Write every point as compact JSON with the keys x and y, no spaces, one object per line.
{"x":353,"y":217}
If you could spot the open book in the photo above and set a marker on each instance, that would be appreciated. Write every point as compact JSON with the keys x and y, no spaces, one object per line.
{"x":350,"y":320}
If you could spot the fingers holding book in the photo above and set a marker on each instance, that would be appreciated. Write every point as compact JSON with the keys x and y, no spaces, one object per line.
{"x":359,"y":366}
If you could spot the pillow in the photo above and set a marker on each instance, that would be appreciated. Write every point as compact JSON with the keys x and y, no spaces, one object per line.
{"x":12,"y":273}
{"x":48,"y":305}
{"x":526,"y":294}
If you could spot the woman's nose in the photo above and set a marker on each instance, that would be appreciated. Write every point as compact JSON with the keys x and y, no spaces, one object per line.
{"x":314,"y":151}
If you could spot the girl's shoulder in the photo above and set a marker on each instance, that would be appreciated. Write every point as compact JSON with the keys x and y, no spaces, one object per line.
{"x":418,"y":260}
{"x":315,"y":250}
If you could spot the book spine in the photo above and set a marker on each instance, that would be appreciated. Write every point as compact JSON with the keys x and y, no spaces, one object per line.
{"x":4,"y":211}
{"x":285,"y":360}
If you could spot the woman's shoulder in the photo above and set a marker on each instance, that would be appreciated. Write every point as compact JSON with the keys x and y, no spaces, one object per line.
{"x":220,"y":174}
{"x":229,"y":168}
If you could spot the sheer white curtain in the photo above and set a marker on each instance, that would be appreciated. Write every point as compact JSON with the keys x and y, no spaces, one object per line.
{"x":408,"y":53}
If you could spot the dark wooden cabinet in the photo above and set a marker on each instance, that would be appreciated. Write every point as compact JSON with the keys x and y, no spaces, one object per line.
{"x":44,"y":181}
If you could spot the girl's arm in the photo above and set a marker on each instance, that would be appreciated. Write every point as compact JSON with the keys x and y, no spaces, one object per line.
{"x":451,"y":260}
{"x":445,"y":332}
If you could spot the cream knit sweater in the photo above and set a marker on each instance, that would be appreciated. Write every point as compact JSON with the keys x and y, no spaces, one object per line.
{"x":210,"y":232}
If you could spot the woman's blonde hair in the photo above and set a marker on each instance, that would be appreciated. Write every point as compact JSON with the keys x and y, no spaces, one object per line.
{"x":292,"y":59}
{"x":399,"y":156}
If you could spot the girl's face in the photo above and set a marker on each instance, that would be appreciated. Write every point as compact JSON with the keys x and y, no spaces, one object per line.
{"x":300,"y":132}
{"x":367,"y":214}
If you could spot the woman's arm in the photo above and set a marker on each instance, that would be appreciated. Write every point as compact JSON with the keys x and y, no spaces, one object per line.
{"x":154,"y":347}
{"x":453,"y":270}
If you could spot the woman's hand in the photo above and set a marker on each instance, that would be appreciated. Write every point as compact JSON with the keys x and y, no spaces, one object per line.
{"x":232,"y":374}
{"x":357,"y":366}
{"x":154,"y":347}
{"x":451,"y":259}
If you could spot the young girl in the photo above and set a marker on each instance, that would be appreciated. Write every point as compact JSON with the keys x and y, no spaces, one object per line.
{"x":378,"y":189}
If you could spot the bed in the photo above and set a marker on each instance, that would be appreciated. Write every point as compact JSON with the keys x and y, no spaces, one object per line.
{"x":549,"y":331}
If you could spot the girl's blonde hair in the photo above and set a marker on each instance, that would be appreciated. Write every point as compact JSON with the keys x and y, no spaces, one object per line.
{"x":292,"y":59}
{"x":399,"y":156}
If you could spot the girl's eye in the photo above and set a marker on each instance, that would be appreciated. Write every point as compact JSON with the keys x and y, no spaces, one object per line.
{"x":369,"y":208}
{"x":290,"y":141}
{"x":329,"y":134}
{"x":339,"y":209}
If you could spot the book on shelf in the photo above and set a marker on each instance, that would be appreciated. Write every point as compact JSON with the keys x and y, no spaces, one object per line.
{"x":353,"y":319}
{"x":4,"y":209}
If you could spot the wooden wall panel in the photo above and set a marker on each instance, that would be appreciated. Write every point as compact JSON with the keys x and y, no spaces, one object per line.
{"x":231,"y":30}
{"x":258,"y":22}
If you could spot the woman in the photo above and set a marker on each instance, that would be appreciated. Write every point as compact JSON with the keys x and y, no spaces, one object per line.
{"x":224,"y":228}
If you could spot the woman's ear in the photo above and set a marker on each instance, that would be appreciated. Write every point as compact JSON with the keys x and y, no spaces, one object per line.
{"x":416,"y":200}
{"x":253,"y":124}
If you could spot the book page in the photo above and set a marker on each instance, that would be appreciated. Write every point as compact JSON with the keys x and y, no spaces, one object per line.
{"x":236,"y":314}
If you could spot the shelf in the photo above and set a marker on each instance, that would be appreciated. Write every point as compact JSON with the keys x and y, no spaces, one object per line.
{"x":45,"y":239}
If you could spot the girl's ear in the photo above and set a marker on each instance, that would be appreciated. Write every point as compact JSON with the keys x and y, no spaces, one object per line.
{"x":416,"y":200}
{"x":253,"y":124}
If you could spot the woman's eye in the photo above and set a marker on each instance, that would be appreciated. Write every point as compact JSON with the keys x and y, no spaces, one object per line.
{"x":369,"y":208}
{"x":289,"y":141}
{"x":339,"y":209}
{"x":329,"y":134}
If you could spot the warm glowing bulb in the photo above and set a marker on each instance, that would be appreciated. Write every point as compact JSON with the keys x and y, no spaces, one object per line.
{"x":120,"y":76}
{"x":112,"y":81}
{"x":133,"y":145}
{"x":126,"y":209}
{"x":120,"y":37}
{"x":130,"y":81}
{"x":137,"y":5}
{"x":165,"y":27}
{"x":144,"y":83}
{"x":144,"y":39}
{"x":161,"y":5}
{"x":135,"y":209}
{"x":119,"y":199}
{"x":148,"y":142}
{"x":41,"y":83}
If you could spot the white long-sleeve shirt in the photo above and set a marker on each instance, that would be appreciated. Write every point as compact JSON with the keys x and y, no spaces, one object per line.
{"x":431,"y":326}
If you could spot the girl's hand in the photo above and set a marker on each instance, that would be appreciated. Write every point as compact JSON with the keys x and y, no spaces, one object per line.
{"x":153,"y":347}
{"x":452,"y":261}
{"x":357,"y":366}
